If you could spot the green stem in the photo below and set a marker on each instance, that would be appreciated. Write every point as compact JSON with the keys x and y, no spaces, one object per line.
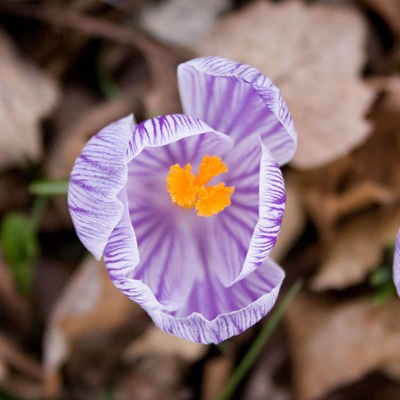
{"x":248,"y":360}
{"x":37,"y":211}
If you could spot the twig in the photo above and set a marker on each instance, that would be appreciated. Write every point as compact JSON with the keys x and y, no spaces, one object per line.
{"x":97,"y":27}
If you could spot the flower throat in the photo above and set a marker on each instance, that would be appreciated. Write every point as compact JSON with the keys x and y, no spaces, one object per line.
{"x":189,"y":191}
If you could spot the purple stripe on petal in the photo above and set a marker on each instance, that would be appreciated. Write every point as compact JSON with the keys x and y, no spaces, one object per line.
{"x":271,"y":209}
{"x":396,"y":263}
{"x":238,"y":100}
{"x":209,"y":319}
{"x":99,"y":174}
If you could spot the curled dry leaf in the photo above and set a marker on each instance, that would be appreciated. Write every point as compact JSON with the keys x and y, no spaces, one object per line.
{"x":265,"y":381}
{"x":337,"y":344}
{"x":181,"y":21}
{"x":315,"y":55}
{"x":27,"y":95}
{"x":357,"y":249}
{"x":88,"y":118}
{"x":366,"y":178}
{"x":389,"y":10}
{"x":15,"y":309}
{"x":353,"y":201}
{"x":89,"y":305}
{"x":155,"y":341}
{"x":154,"y":378}
{"x":20,"y":374}
{"x":216,"y":374}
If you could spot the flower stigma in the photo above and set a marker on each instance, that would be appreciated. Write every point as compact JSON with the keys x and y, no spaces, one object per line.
{"x":189,"y":191}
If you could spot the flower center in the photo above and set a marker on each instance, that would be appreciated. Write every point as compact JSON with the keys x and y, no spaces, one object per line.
{"x":189,"y":191}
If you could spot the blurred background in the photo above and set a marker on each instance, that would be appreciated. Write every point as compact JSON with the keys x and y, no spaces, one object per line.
{"x":68,"y":68}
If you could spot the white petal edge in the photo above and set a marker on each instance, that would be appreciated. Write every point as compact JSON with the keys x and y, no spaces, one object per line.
{"x":283,"y":145}
{"x":99,"y":174}
{"x":272,"y":202}
{"x":199,"y":329}
{"x":396,"y":263}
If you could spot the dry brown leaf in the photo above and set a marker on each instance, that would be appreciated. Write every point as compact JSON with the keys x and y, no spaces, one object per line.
{"x":216,"y":374}
{"x":181,"y":21}
{"x":357,"y":248}
{"x":26,"y":96}
{"x":156,"y":341}
{"x":365,"y":178}
{"x":388,"y":9}
{"x":154,"y":378}
{"x":83,"y":123}
{"x":315,"y":55}
{"x":20,"y":374}
{"x":265,"y":380}
{"x":90,"y":304}
{"x":15,"y":309}
{"x":336,"y":344}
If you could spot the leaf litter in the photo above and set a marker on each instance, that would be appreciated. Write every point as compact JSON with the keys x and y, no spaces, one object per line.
{"x":337,"y":65}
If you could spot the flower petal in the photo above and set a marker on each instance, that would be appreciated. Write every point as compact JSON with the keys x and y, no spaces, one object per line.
{"x":215,"y":313}
{"x":243,"y":235}
{"x":271,"y":208}
{"x":396,"y":264}
{"x":143,"y":283}
{"x":238,"y":100}
{"x":98,"y":176}
{"x":166,"y":234}
{"x":100,"y":172}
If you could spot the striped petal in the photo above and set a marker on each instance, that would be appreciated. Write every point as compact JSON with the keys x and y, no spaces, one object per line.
{"x":242,"y":237}
{"x":99,"y":174}
{"x":396,"y":264}
{"x":215,"y":313}
{"x":238,"y":100}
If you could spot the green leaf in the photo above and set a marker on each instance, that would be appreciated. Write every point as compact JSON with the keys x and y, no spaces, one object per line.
{"x":255,"y":349}
{"x":381,"y":279}
{"x":20,"y":249}
{"x":47,"y":187}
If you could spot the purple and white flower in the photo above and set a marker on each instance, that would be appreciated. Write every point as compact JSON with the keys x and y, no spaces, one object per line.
{"x":396,"y":263}
{"x":195,"y":257}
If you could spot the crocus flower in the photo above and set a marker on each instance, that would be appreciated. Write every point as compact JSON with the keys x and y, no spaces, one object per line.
{"x":396,"y":263}
{"x":187,"y":207}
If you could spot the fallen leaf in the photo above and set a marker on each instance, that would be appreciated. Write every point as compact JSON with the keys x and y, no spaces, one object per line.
{"x":265,"y":380}
{"x":387,"y":9}
{"x":27,"y":95}
{"x":86,"y":118}
{"x":181,"y":22}
{"x":335,"y":344}
{"x":361,"y":180}
{"x":357,"y":249}
{"x":298,"y":46}
{"x":15,"y":309}
{"x":154,"y":378}
{"x":216,"y":374}
{"x":89,"y":308}
{"x":157,"y":342}
{"x":20,"y":374}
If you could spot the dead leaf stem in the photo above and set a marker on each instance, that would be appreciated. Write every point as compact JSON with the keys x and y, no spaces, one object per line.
{"x":95,"y":26}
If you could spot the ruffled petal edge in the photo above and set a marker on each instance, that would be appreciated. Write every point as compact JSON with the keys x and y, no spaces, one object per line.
{"x":396,"y":263}
{"x":198,"y":329}
{"x":283,"y":148}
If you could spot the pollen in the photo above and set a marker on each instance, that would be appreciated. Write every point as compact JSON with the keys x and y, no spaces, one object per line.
{"x":189,"y":191}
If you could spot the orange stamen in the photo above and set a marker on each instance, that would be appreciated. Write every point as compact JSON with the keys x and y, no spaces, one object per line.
{"x":189,"y":191}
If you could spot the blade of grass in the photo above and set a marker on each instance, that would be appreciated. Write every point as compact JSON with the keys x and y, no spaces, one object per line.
{"x":49,"y":187}
{"x":248,"y":360}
